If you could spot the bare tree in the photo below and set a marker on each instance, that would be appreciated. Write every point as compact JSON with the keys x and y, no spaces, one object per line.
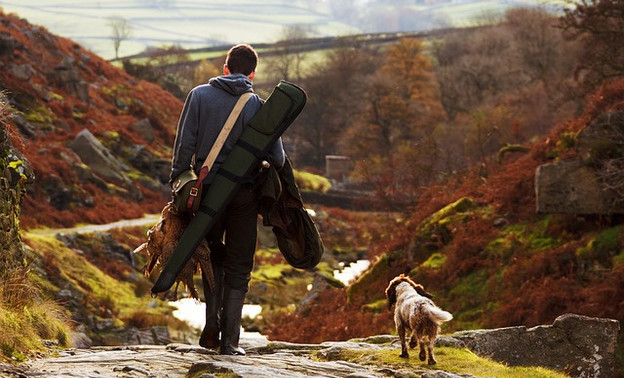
{"x":289,"y":57}
{"x":599,"y":24}
{"x":121,"y":29}
{"x":335,"y":86}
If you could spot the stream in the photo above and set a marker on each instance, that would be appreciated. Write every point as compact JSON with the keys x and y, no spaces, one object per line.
{"x":193,"y":312}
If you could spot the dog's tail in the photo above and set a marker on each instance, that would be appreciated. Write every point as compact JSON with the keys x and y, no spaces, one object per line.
{"x":439,"y":316}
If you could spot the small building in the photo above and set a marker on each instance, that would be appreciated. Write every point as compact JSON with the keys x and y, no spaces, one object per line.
{"x":338,"y":168}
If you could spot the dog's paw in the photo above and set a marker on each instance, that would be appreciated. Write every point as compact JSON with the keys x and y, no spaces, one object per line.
{"x":404,"y":355}
{"x":422,"y":355}
{"x":413,"y":343}
{"x":432,"y":361}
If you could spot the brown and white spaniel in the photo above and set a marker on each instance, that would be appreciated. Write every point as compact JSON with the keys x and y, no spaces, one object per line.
{"x":416,"y":313}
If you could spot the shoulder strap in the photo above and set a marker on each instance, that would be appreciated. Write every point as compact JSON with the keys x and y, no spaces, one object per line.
{"x":223,"y":135}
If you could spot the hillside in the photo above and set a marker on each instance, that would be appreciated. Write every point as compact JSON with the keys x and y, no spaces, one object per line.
{"x":57,"y":89}
{"x":479,"y":246}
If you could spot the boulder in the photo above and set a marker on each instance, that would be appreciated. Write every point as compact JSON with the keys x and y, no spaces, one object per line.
{"x":141,"y":158}
{"x":80,"y":340}
{"x":22,"y":72}
{"x":98,"y":157}
{"x":144,"y":128}
{"x":15,"y":179}
{"x":443,"y":374}
{"x":570,"y":187}
{"x":334,"y":351}
{"x":7,"y":43}
{"x":26,"y":128}
{"x":580,"y":346}
{"x":151,"y":336}
{"x":67,"y":76}
{"x":587,"y":183}
{"x":162,"y":169}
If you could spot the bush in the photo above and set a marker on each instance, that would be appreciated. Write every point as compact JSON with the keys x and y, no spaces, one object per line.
{"x":312,"y":182}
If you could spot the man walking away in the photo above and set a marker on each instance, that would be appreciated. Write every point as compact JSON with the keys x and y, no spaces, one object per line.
{"x":232,"y":240}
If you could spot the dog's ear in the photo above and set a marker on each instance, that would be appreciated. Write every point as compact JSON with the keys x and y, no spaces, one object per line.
{"x":421,"y":291}
{"x":391,"y":294}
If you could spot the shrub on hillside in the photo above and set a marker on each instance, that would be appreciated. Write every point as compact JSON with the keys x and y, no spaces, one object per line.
{"x":312,"y":182}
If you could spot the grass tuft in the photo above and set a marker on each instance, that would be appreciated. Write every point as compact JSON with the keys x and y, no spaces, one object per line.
{"x":26,"y":319}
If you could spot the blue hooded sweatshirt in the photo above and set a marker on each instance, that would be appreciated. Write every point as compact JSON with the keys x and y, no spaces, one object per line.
{"x":206,"y":109}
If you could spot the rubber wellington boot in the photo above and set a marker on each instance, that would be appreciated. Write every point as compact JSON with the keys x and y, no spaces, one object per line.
{"x":233,"y":301}
{"x":210,"y":335}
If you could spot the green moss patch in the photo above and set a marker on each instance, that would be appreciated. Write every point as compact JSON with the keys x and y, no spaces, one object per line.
{"x":454,"y":360}
{"x":604,"y":248}
{"x":310,"y":181}
{"x":435,"y":261}
{"x":377,"y":306}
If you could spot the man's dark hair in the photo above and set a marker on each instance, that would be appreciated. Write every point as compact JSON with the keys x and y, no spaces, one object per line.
{"x":242,"y":59}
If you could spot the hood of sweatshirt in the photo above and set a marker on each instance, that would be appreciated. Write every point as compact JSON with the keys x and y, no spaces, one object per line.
{"x":235,"y":84}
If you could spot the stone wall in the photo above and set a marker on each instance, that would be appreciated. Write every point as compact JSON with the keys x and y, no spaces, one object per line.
{"x":15,"y":177}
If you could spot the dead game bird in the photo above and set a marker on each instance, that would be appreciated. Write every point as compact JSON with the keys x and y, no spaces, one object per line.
{"x":162,"y":239}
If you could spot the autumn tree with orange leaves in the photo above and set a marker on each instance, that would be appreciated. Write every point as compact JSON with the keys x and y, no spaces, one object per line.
{"x":391,"y":139}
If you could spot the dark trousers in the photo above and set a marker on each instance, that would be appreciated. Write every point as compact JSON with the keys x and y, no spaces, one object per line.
{"x":238,"y":224}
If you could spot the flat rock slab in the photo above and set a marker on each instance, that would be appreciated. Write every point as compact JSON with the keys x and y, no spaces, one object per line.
{"x":579,"y":345}
{"x":148,"y":361}
{"x":279,"y":365}
{"x":264,"y":359}
{"x":158,"y":361}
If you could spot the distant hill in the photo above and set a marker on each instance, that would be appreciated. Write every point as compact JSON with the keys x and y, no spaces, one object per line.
{"x":196,"y":24}
{"x":190,"y":24}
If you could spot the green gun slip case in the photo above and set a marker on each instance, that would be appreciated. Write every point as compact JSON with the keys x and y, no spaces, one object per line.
{"x":277,"y":113}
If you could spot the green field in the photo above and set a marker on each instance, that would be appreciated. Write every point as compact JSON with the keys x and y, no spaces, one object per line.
{"x":190,"y":24}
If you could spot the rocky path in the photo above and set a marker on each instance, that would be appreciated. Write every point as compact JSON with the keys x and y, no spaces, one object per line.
{"x":580,"y":345}
{"x":264,"y":359}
